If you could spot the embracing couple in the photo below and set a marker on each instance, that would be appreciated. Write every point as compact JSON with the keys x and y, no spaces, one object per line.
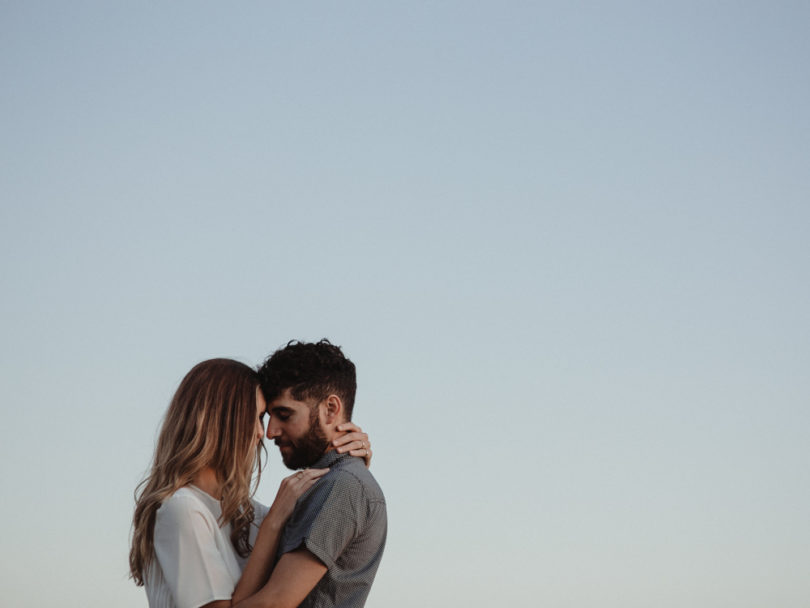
{"x":201,"y":541}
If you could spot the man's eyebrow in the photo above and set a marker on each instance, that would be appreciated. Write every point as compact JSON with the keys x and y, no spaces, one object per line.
{"x":278,"y":408}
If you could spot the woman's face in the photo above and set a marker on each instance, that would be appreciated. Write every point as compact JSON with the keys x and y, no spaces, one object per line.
{"x":261,"y":410}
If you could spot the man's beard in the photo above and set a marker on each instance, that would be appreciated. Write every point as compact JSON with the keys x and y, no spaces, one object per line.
{"x":308,"y":449}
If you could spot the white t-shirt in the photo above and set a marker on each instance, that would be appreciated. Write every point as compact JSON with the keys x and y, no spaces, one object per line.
{"x":195,"y":562}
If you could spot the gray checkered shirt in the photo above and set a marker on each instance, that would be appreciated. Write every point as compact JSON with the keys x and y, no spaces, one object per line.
{"x":342,"y":521}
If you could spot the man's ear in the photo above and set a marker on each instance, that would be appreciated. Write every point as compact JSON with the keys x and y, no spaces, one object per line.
{"x":333,"y":409}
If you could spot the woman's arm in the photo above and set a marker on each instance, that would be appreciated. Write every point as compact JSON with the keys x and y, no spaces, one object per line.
{"x":262,"y":558}
{"x":293,"y":578}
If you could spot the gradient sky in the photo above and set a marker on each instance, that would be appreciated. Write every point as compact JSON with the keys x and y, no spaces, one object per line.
{"x":566,"y":245}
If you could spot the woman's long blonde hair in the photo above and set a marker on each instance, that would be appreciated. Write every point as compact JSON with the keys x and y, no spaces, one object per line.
{"x":211,"y":422}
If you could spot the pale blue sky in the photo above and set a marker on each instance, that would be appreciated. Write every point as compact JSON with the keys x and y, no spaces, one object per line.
{"x":565,"y":244}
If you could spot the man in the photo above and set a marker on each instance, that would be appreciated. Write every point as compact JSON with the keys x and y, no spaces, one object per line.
{"x":332,"y":544}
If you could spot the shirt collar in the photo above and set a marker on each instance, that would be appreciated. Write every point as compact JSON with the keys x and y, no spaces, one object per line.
{"x":329,"y":458}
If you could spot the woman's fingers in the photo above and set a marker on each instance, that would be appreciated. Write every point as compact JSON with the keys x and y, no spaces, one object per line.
{"x":305,"y":477}
{"x":348,"y":427}
{"x":353,"y":441}
{"x":364,"y":453}
{"x":308,"y":478}
{"x":349,"y":432}
{"x":298,"y":483}
{"x":291,"y":489}
{"x":355,"y":444}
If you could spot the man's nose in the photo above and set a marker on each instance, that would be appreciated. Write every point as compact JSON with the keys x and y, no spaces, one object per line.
{"x":272,"y":430}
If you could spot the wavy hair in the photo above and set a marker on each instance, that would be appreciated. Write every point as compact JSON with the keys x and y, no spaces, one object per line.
{"x":211,"y":422}
{"x":310,"y":371}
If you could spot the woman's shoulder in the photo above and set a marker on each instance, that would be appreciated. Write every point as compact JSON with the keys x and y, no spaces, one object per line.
{"x":186,"y":501}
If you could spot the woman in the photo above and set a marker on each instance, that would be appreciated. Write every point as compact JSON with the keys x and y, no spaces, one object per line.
{"x":195,"y":522}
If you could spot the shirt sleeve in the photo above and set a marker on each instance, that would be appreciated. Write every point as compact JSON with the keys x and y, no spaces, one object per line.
{"x":326,"y":519}
{"x":186,"y":550}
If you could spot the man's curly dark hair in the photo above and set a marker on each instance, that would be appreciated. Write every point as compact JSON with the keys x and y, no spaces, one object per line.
{"x":311,"y":371}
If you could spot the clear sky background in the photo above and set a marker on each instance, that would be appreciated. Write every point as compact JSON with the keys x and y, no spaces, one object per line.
{"x":566,"y":245}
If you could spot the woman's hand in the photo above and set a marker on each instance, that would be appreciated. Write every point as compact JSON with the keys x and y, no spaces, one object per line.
{"x":354,"y":441}
{"x":290,"y":490}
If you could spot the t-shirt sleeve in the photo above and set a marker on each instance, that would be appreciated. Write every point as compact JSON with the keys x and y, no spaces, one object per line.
{"x":326,"y":519}
{"x":186,"y":550}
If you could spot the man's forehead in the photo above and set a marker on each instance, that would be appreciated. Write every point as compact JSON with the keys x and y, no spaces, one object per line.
{"x":285,"y":401}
